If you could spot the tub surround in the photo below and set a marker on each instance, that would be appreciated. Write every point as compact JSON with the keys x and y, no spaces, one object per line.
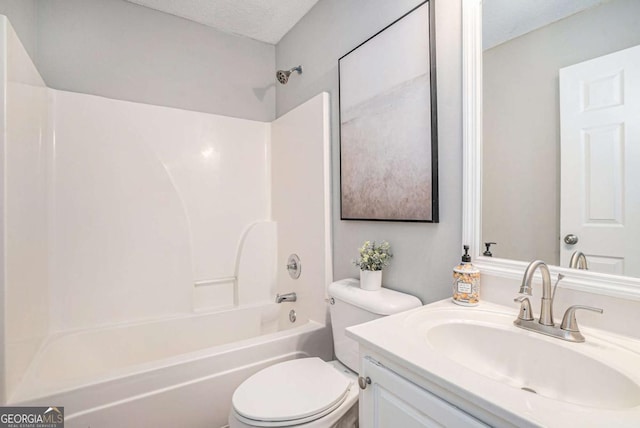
{"x":136,"y":218}
{"x":24,"y":222}
{"x":147,"y":198}
{"x":301,"y":167}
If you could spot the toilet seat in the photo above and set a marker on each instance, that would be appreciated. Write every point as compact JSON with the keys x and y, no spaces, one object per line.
{"x":291,"y":393}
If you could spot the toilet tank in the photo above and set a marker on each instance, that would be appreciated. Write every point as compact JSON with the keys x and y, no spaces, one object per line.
{"x":350,"y":305}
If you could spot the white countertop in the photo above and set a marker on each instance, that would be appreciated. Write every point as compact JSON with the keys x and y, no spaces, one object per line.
{"x":396,"y":338}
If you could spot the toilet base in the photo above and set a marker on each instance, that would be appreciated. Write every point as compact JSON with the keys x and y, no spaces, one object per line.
{"x":349,"y":420}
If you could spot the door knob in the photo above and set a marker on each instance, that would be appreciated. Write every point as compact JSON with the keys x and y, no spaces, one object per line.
{"x":364,"y":381}
{"x":571,"y":239}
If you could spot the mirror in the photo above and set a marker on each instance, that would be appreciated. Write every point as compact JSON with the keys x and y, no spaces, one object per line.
{"x":560,"y":150}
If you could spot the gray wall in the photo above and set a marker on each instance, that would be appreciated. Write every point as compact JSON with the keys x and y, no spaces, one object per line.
{"x":521,"y":143}
{"x":423,"y":253}
{"x":120,"y":50}
{"x":23,"y":17}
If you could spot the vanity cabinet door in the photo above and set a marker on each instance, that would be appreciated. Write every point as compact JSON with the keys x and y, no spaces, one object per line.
{"x":391,"y":401}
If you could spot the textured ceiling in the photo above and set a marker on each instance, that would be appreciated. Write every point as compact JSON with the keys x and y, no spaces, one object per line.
{"x":264,"y":20}
{"x":503,"y":20}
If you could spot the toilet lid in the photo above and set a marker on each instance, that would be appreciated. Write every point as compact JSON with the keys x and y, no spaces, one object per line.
{"x":292,"y":390}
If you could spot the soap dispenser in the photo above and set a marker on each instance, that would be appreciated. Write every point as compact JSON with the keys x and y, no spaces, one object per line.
{"x":487,"y":252}
{"x":466,"y":282}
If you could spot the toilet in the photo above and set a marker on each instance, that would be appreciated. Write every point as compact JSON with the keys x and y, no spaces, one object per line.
{"x":309,"y":392}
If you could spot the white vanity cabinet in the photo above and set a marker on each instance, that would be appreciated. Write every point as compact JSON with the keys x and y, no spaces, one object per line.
{"x":391,"y":401}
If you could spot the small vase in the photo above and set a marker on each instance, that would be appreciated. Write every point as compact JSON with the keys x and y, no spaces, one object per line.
{"x":371,"y":280}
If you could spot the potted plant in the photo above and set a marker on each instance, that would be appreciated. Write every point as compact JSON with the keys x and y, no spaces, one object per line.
{"x":373,"y":258}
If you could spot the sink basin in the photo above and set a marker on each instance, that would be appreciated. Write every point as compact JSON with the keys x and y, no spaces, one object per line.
{"x":587,"y":374}
{"x":476,"y":360}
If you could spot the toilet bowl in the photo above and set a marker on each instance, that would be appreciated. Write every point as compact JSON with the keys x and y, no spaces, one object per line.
{"x":309,"y":392}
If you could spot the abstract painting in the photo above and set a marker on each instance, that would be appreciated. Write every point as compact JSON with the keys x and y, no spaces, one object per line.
{"x":388,"y":123}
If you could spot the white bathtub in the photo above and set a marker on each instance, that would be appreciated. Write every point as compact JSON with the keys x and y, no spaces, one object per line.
{"x":175,"y":372}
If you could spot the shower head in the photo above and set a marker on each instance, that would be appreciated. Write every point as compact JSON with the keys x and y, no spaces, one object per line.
{"x":283,"y":75}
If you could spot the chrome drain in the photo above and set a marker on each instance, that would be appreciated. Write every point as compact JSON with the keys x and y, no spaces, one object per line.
{"x":524,"y":388}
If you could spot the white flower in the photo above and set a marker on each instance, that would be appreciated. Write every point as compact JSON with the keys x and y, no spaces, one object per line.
{"x":374,"y":257}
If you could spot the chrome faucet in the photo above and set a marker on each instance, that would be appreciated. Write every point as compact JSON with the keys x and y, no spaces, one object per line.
{"x":289,"y":297}
{"x":568,"y":329}
{"x":546,"y":308}
{"x":578,"y":261}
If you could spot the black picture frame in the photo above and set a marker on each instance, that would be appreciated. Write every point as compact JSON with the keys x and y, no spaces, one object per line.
{"x":388,"y":110}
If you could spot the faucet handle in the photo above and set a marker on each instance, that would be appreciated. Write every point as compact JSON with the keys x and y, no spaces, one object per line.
{"x":525,"y":308}
{"x":569,"y":322}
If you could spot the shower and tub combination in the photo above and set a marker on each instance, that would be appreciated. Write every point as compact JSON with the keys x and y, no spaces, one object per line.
{"x":144,"y":247}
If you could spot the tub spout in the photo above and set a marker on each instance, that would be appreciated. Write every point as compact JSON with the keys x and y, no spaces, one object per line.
{"x":289,"y":297}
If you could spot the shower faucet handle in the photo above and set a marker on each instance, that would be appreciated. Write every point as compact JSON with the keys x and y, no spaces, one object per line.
{"x":294,"y":267}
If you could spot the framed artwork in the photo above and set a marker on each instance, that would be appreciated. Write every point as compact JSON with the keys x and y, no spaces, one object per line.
{"x":388,"y":123}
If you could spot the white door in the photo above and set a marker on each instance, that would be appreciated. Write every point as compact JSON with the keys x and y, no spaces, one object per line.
{"x":391,"y":401}
{"x":600,"y":166}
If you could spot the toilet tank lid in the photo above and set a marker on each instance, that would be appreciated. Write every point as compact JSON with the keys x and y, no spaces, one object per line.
{"x":380,"y":302}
